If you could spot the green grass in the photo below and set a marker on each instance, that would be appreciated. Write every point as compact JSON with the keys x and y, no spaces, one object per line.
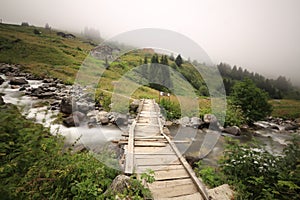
{"x":285,"y":108}
{"x":44,"y":54}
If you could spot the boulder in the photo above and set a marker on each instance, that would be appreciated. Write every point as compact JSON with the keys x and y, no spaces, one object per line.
{"x":210,"y":119}
{"x":297,"y":120}
{"x":83,"y":107}
{"x":78,"y":115}
{"x":14,"y":86}
{"x":18,"y":81}
{"x":104,"y":120}
{"x":67,"y":105}
{"x":195,"y":122}
{"x":192,"y":160}
{"x":45,"y":95}
{"x":233,"y":130}
{"x":101,"y":114}
{"x":1,"y":101}
{"x":92,"y":122}
{"x":168,"y":123}
{"x":121,"y":119}
{"x":1,"y":80}
{"x":48,"y":80}
{"x":74,"y":119}
{"x":69,"y":121}
{"x":222,"y":192}
{"x":134,"y":106}
{"x":291,"y":127}
{"x":184,"y":121}
{"x":120,"y":184}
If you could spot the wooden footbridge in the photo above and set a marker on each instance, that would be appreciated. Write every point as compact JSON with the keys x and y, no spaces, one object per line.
{"x":149,"y":148}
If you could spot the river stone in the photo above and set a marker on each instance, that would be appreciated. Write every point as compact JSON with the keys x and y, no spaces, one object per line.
{"x":18,"y":81}
{"x":14,"y":86}
{"x":195,"y":122}
{"x":1,"y":80}
{"x":66,"y":105}
{"x":69,"y":121}
{"x":184,"y":121}
{"x":83,"y":107}
{"x":291,"y":127}
{"x":233,"y":130}
{"x":210,"y":119}
{"x":1,"y":101}
{"x":104,"y":120}
{"x":222,"y":192}
{"x":134,"y":106}
{"x":120,"y":184}
{"x":121,"y":119}
{"x":79,"y":115}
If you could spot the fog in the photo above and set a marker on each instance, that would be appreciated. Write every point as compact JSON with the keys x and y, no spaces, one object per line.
{"x":260,"y":35}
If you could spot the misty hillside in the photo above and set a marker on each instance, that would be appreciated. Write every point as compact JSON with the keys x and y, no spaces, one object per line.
{"x":43,"y":51}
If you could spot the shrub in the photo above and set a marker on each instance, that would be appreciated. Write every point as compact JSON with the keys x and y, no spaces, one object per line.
{"x":251,"y":100}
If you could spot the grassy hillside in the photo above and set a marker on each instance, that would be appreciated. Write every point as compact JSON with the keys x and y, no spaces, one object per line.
{"x":52,"y":55}
{"x":44,"y":53}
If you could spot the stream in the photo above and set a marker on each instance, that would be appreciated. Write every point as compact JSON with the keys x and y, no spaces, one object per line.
{"x":189,"y":139}
{"x":92,"y":138}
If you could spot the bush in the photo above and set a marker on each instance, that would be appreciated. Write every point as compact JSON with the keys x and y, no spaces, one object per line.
{"x":234,"y":115}
{"x":257,"y":174}
{"x":34,"y":165}
{"x":251,"y":100}
{"x":172,"y":109}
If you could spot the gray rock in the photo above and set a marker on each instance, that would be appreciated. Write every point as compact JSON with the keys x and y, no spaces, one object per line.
{"x":1,"y":80}
{"x":184,"y":121}
{"x":210,"y":119}
{"x":120,"y":184}
{"x":67,"y":105}
{"x":48,"y":80}
{"x":134,"y":106}
{"x":14,"y":86}
{"x":1,"y":100}
{"x":83,"y":107}
{"x":196,"y":122}
{"x":104,"y":120}
{"x":222,"y":192}
{"x":78,"y":115}
{"x":291,"y":127}
{"x":74,"y":119}
{"x":233,"y":130}
{"x":121,"y":119}
{"x":18,"y":81}
{"x":69,"y":121}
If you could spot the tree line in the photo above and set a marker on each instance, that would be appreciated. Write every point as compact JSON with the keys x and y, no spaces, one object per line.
{"x":276,"y":88}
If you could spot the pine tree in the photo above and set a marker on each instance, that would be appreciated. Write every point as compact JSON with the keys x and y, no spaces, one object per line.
{"x":178,"y":60}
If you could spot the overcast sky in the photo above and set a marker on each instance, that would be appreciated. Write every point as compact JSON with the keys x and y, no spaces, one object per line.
{"x":260,"y":35}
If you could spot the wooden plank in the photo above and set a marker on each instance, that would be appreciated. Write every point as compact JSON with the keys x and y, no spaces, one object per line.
{"x":155,"y":161}
{"x":164,"y":149}
{"x":156,"y":137}
{"x":144,"y":156}
{"x":150,"y":140}
{"x":129,"y":155}
{"x":195,"y":196}
{"x":166,"y":167}
{"x":171,"y":174}
{"x":150,"y":144}
{"x":201,"y":188}
{"x":175,"y":191}
{"x":170,"y":183}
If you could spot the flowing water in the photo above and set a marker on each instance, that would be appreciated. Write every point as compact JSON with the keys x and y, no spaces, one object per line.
{"x":273,"y":142}
{"x":91,"y":138}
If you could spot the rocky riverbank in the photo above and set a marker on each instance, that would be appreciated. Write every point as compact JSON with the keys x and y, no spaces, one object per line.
{"x":76,"y":105}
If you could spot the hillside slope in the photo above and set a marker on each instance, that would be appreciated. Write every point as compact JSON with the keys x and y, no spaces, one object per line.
{"x":41,"y":51}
